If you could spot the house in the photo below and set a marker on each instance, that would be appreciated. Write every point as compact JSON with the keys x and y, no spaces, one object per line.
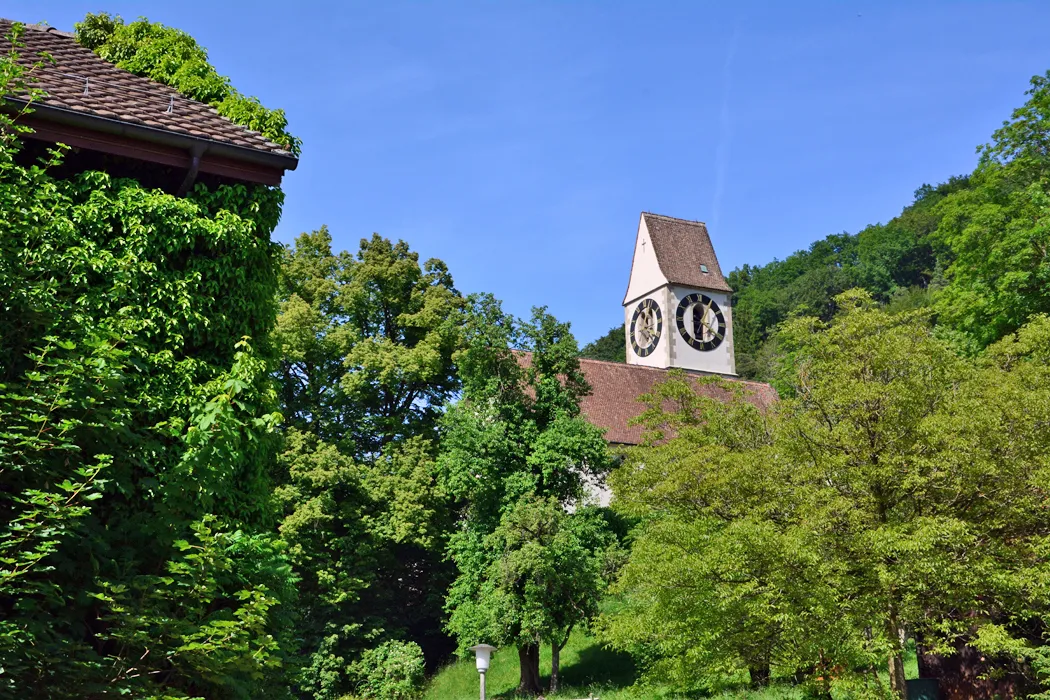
{"x":132,"y":126}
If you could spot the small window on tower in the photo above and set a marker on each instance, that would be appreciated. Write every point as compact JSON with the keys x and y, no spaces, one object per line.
{"x":703,"y":268}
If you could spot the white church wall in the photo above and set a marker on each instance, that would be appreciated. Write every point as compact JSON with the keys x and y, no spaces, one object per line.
{"x":645,"y":273}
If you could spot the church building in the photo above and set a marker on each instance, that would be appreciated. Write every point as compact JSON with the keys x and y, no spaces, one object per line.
{"x":678,"y":315}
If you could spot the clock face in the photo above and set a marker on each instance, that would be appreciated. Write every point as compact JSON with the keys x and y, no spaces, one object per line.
{"x":646,"y":326}
{"x":700,"y":322}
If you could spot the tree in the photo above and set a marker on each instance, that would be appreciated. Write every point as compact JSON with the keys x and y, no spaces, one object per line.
{"x":611,"y":347}
{"x":366,"y":345}
{"x":997,"y":231}
{"x":896,"y":262}
{"x":713,"y":587}
{"x":366,"y":342}
{"x":515,"y":452}
{"x":549,"y":576}
{"x":884,"y":494}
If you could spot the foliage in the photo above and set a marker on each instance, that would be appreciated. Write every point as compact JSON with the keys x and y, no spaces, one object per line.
{"x":892,"y":261}
{"x":136,"y":547}
{"x":896,"y":487}
{"x":514,"y":454}
{"x":366,"y":341}
{"x":174,"y":58}
{"x":975,"y":249}
{"x":611,"y":347}
{"x":391,"y":671}
{"x":997,"y":230}
{"x":366,"y":347}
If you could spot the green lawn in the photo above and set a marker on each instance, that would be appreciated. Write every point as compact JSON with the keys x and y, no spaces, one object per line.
{"x":585,"y":668}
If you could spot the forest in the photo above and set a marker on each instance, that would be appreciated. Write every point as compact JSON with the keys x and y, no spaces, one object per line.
{"x":237,"y":469}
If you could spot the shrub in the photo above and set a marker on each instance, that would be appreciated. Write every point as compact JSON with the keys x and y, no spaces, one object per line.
{"x":391,"y":671}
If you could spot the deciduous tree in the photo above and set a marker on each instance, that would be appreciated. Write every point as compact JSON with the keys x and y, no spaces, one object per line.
{"x":895,"y":488}
{"x":366,"y":345}
{"x":516,"y":452}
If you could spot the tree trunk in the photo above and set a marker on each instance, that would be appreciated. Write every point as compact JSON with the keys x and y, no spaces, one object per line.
{"x":529,"y":661}
{"x":895,"y":633}
{"x":759,"y":672}
{"x":555,"y":664}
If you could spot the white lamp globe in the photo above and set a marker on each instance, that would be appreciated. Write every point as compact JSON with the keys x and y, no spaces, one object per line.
{"x":482,"y":654}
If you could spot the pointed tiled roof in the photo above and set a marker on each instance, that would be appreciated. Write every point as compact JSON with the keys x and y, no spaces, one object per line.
{"x":681,"y":248}
{"x":79,"y":81}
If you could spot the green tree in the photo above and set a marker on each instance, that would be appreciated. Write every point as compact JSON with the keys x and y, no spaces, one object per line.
{"x":997,"y":231}
{"x":898,"y":262}
{"x":514,"y":450}
{"x":883,"y":494}
{"x":366,"y":344}
{"x":549,"y":577}
{"x":611,"y":347}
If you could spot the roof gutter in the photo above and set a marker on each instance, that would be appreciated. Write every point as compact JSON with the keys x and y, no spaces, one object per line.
{"x":162,"y":137}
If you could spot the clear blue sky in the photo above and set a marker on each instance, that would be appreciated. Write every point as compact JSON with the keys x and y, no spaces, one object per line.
{"x":518,"y":141}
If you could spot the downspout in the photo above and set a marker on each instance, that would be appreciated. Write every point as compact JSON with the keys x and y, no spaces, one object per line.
{"x":195,"y":164}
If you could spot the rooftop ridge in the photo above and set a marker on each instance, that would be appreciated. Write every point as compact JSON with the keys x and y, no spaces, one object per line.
{"x":80,"y":81}
{"x":675,"y":218}
{"x":689,"y":372}
{"x":43,"y":28}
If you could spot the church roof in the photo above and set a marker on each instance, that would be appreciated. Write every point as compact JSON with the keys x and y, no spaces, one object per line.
{"x":681,"y":248}
{"x":616,"y":386}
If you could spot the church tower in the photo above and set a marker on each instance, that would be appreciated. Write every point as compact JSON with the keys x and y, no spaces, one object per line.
{"x":677,"y":308}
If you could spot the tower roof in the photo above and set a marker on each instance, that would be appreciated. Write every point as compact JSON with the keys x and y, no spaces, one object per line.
{"x":683,"y":250}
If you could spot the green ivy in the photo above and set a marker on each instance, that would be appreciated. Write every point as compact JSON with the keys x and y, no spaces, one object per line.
{"x":173,"y":57}
{"x":137,"y":428}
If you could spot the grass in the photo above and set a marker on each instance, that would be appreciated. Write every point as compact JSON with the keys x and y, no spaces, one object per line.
{"x":586,"y":668}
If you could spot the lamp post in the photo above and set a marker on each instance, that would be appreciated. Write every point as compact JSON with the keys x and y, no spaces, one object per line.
{"x":482,"y":654}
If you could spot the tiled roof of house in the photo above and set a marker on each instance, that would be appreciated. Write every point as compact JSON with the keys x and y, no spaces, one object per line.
{"x":681,"y":247}
{"x":615,"y":388}
{"x":80,"y":81}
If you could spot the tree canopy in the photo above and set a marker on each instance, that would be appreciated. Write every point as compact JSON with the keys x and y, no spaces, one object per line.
{"x":515,"y":452}
{"x":365,"y":344}
{"x":896,"y":489}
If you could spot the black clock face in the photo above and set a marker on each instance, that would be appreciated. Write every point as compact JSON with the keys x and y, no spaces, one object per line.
{"x":646,"y":326}
{"x":700,"y":322}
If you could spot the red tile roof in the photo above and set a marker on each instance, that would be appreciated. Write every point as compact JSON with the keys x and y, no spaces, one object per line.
{"x":80,"y":81}
{"x":615,"y":388}
{"x":681,"y":247}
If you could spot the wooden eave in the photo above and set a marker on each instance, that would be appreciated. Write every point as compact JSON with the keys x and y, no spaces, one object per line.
{"x":151,"y":145}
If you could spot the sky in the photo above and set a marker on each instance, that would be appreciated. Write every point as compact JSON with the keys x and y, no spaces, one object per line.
{"x":519,"y":141}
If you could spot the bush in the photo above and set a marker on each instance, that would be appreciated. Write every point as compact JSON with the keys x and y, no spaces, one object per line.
{"x":391,"y":671}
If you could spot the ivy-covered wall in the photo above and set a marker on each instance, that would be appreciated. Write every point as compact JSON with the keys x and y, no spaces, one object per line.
{"x":137,"y":550}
